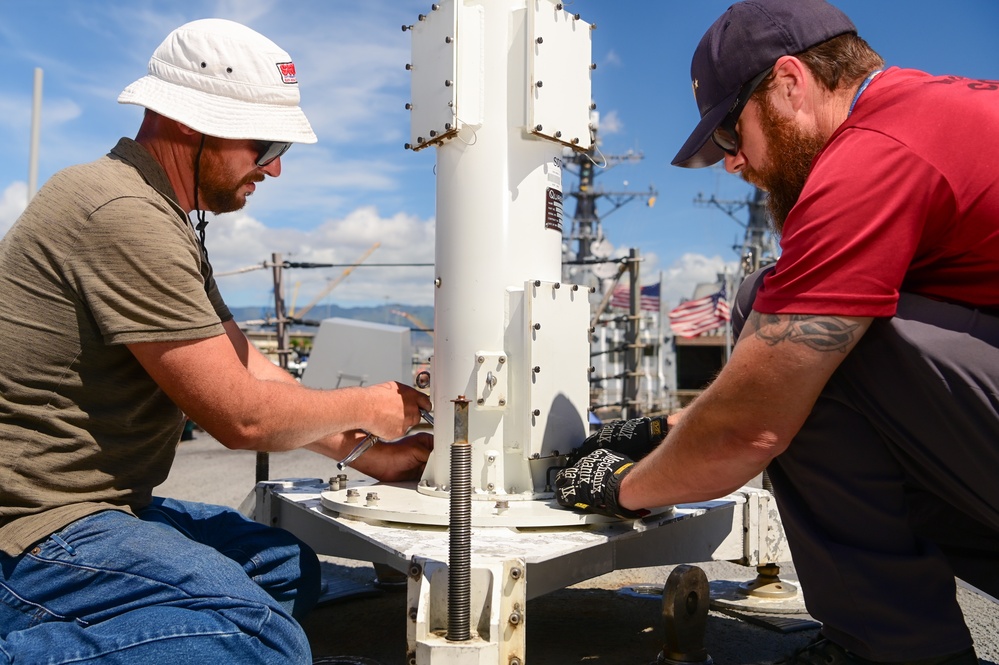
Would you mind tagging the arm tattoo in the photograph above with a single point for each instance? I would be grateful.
(819, 332)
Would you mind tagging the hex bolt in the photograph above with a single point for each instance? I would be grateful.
(447, 40)
(491, 486)
(515, 661)
(593, 65)
(576, 16)
(405, 27)
(540, 40)
(575, 287)
(593, 106)
(537, 369)
(419, 139)
(591, 369)
(515, 618)
(540, 84)
(537, 326)
(372, 498)
(413, 614)
(502, 359)
(407, 146)
(558, 134)
(516, 573)
(422, 17)
(502, 402)
(437, 282)
(537, 282)
(409, 107)
(447, 126)
(481, 359)
(435, 6)
(433, 133)
(415, 571)
(447, 83)
(502, 505)
(353, 495)
(575, 141)
(556, 285)
(480, 401)
(537, 412)
(409, 67)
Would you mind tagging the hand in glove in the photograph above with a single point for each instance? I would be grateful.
(593, 483)
(634, 438)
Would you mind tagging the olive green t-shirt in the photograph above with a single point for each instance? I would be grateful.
(103, 256)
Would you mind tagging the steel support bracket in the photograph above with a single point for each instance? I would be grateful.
(498, 606)
(764, 538)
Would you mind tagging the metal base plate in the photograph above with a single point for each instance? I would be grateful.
(728, 594)
(398, 503)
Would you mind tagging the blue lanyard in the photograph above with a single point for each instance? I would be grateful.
(863, 86)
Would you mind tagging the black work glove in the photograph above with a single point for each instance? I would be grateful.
(634, 438)
(593, 483)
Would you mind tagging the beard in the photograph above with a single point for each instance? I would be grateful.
(790, 151)
(219, 186)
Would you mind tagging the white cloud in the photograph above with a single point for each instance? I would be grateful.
(238, 241)
(610, 123)
(613, 59)
(12, 204)
(682, 278)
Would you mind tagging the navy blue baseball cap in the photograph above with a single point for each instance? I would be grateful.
(744, 42)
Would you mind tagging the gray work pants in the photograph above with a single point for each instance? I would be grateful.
(891, 488)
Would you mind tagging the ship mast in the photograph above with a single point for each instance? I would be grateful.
(587, 255)
(587, 260)
(759, 246)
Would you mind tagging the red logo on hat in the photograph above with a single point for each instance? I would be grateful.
(287, 70)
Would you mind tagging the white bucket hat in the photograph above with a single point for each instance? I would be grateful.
(223, 79)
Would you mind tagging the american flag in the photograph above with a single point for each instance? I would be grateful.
(695, 317)
(649, 300)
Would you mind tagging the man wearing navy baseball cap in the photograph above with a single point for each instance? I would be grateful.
(866, 373)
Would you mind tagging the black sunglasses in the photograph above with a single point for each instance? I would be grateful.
(725, 136)
(268, 151)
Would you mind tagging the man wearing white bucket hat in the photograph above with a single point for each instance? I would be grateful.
(108, 290)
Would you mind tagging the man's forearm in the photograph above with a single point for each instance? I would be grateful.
(692, 465)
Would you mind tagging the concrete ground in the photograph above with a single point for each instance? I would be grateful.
(611, 619)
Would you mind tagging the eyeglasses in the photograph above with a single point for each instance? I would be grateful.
(268, 151)
(725, 136)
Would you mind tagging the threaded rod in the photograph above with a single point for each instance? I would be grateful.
(460, 529)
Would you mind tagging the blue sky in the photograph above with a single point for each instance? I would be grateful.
(358, 185)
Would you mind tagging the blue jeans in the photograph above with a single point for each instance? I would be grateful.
(185, 583)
